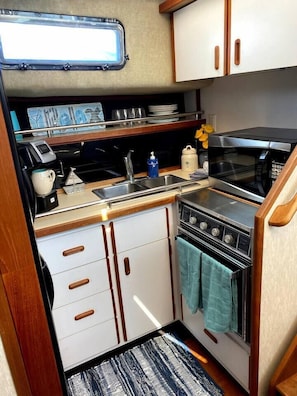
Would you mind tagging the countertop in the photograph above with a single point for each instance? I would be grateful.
(85, 208)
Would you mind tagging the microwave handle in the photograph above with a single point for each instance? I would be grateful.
(262, 168)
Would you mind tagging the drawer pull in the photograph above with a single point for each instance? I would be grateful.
(127, 266)
(217, 57)
(84, 314)
(211, 336)
(79, 283)
(74, 250)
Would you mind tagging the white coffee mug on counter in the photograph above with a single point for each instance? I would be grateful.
(43, 181)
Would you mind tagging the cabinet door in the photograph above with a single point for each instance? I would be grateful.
(140, 229)
(267, 34)
(199, 40)
(146, 288)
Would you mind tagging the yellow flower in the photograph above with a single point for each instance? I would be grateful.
(202, 134)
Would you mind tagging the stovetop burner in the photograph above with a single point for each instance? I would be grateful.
(224, 207)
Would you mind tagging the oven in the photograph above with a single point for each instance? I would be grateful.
(221, 228)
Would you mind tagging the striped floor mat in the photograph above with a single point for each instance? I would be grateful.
(160, 366)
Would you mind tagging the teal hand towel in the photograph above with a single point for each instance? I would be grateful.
(189, 259)
(219, 296)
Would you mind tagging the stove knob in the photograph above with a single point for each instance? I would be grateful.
(215, 232)
(228, 238)
(203, 225)
(192, 220)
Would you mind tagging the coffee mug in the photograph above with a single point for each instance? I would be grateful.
(43, 181)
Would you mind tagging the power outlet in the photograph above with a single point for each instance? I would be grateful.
(212, 119)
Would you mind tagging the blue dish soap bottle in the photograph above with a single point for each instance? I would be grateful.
(153, 166)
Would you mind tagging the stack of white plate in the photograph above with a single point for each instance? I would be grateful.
(162, 110)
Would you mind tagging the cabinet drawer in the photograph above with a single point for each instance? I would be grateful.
(88, 344)
(140, 230)
(232, 356)
(72, 318)
(80, 283)
(67, 250)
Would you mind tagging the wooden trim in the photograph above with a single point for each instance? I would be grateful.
(227, 38)
(110, 282)
(170, 263)
(132, 207)
(283, 214)
(173, 47)
(260, 217)
(173, 5)
(117, 273)
(111, 133)
(21, 284)
(11, 346)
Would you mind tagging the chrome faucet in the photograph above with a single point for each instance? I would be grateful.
(129, 166)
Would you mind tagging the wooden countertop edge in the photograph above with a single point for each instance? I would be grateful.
(98, 218)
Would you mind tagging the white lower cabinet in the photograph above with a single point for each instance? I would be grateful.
(87, 344)
(83, 309)
(227, 349)
(112, 283)
(144, 271)
(146, 289)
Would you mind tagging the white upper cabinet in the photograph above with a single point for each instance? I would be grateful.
(264, 34)
(213, 38)
(199, 40)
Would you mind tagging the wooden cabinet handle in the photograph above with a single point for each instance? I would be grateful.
(84, 314)
(217, 57)
(237, 52)
(283, 214)
(211, 336)
(76, 249)
(79, 283)
(127, 266)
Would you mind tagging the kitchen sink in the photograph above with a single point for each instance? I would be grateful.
(118, 190)
(140, 187)
(161, 181)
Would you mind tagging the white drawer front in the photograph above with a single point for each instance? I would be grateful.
(140, 230)
(229, 353)
(80, 282)
(95, 309)
(67, 250)
(88, 344)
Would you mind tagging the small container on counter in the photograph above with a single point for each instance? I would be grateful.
(153, 166)
(189, 159)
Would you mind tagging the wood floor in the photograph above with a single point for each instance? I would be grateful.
(223, 379)
(215, 370)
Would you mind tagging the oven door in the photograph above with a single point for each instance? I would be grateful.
(241, 279)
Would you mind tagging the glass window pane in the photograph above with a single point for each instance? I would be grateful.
(31, 40)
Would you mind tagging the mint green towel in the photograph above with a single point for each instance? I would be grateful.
(219, 296)
(189, 259)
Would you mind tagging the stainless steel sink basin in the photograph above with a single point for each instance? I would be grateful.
(161, 181)
(140, 187)
(118, 190)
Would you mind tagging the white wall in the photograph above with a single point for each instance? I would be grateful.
(254, 99)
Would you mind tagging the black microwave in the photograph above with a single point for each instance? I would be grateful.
(246, 162)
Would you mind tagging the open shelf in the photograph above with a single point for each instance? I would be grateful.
(187, 120)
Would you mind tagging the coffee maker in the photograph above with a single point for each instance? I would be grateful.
(36, 159)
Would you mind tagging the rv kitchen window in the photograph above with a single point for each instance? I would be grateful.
(31, 40)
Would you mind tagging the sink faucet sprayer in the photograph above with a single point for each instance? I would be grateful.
(129, 166)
